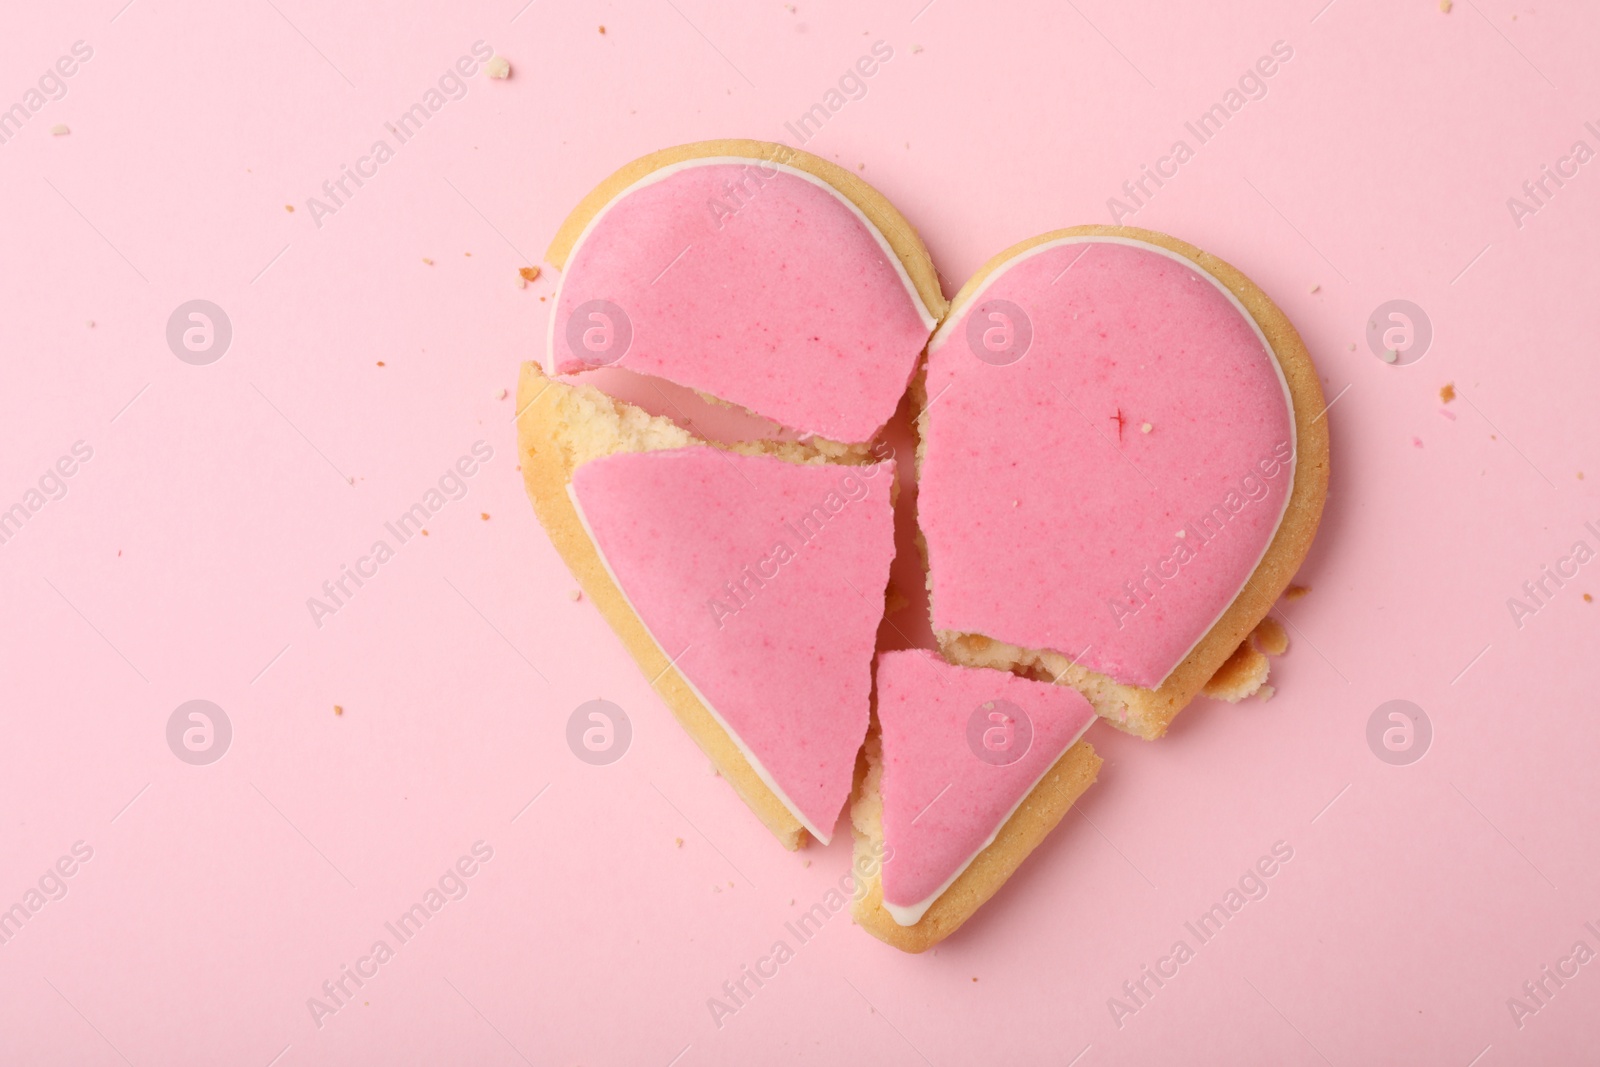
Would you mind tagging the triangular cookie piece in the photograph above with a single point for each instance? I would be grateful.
(763, 583)
(970, 770)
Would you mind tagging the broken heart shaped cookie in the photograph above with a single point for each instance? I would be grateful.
(1120, 459)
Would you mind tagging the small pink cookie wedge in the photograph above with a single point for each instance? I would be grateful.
(757, 274)
(762, 582)
(970, 769)
(1124, 467)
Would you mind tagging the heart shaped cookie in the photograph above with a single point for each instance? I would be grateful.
(1121, 463)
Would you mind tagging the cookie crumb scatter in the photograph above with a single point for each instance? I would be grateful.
(59, 130)
(1448, 392)
(1295, 592)
(498, 68)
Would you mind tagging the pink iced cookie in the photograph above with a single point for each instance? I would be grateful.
(751, 281)
(1109, 452)
(764, 581)
(962, 747)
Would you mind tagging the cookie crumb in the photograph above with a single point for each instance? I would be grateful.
(1265, 693)
(59, 130)
(1587, 599)
(484, 515)
(1295, 592)
(602, 31)
(381, 363)
(338, 709)
(90, 323)
(503, 395)
(528, 274)
(1390, 355)
(1445, 6)
(1181, 534)
(424, 533)
(1146, 428)
(1270, 637)
(428, 261)
(574, 595)
(289, 208)
(498, 68)
(1448, 392)
(1352, 348)
(1315, 289)
(678, 841)
(915, 49)
(1580, 473)
(808, 863)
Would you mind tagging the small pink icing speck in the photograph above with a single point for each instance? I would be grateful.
(961, 747)
(764, 581)
(750, 283)
(1109, 457)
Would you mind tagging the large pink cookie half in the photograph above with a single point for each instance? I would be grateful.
(752, 282)
(1109, 452)
(962, 747)
(764, 582)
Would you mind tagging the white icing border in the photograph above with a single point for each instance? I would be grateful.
(755, 764)
(662, 173)
(956, 313)
(911, 914)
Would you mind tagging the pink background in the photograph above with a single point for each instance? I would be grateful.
(219, 898)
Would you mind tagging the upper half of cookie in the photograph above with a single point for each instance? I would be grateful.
(757, 274)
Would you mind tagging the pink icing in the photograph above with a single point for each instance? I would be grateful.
(941, 801)
(1050, 524)
(764, 580)
(758, 286)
